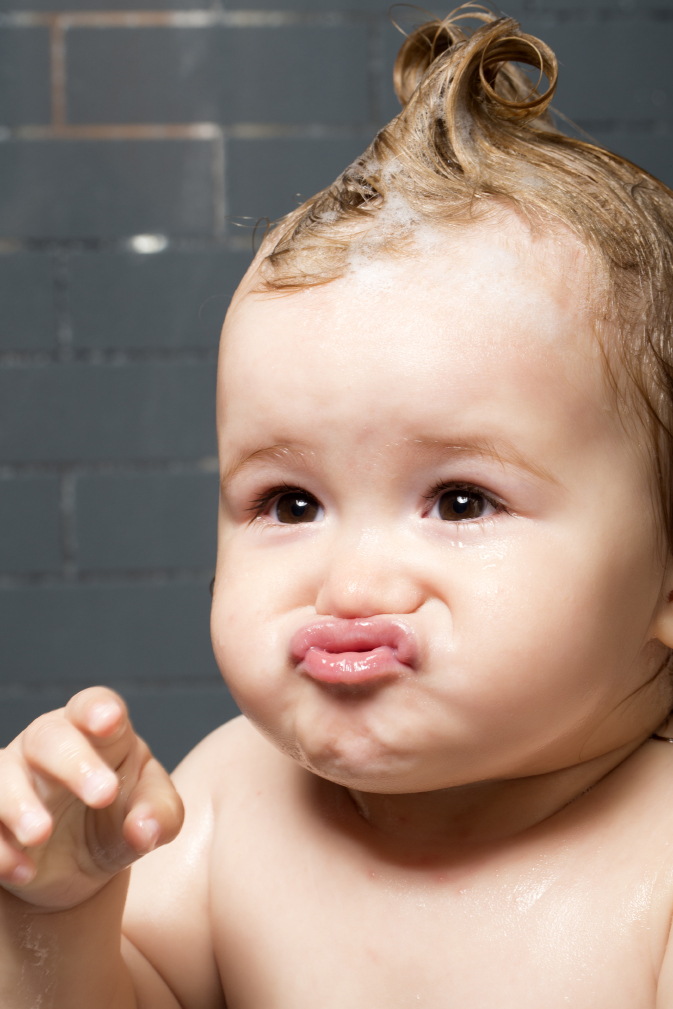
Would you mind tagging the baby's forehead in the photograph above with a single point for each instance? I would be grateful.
(482, 330)
(475, 286)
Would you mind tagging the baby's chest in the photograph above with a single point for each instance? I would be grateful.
(317, 933)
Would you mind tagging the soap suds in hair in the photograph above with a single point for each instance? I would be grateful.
(377, 260)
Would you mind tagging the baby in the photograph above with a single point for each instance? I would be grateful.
(443, 601)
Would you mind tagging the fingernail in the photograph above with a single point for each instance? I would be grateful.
(97, 786)
(102, 715)
(30, 824)
(22, 874)
(149, 831)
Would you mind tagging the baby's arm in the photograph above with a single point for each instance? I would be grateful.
(171, 902)
(81, 798)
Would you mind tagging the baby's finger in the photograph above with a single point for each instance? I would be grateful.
(52, 746)
(98, 711)
(102, 716)
(20, 808)
(16, 868)
(155, 809)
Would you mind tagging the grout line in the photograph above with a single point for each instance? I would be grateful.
(190, 19)
(114, 356)
(218, 168)
(375, 70)
(31, 688)
(108, 578)
(117, 131)
(79, 246)
(68, 533)
(205, 466)
(61, 310)
(188, 131)
(57, 71)
(185, 19)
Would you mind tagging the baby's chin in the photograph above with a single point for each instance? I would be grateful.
(355, 769)
(363, 761)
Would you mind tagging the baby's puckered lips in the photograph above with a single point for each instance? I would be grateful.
(356, 651)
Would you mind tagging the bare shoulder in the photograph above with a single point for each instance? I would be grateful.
(223, 758)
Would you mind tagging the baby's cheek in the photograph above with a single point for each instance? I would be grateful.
(249, 650)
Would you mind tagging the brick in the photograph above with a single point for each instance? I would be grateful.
(27, 321)
(24, 76)
(29, 519)
(71, 189)
(83, 412)
(171, 721)
(392, 41)
(311, 75)
(610, 70)
(171, 299)
(80, 635)
(147, 521)
(271, 177)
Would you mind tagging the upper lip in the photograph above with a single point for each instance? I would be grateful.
(362, 634)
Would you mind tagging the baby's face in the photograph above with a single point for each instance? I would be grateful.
(422, 462)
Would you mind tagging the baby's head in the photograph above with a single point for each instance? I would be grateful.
(444, 415)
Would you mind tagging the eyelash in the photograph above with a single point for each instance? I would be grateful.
(260, 503)
(443, 486)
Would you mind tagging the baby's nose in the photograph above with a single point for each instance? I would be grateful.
(368, 575)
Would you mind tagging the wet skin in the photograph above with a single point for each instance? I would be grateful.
(489, 827)
(427, 451)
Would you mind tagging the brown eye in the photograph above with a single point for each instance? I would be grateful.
(295, 507)
(459, 505)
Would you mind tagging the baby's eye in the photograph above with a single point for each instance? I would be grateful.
(296, 506)
(460, 504)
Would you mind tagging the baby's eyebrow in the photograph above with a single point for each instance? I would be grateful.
(280, 452)
(504, 453)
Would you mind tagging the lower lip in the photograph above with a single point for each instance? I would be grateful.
(352, 667)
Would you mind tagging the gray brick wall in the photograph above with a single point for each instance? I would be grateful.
(164, 118)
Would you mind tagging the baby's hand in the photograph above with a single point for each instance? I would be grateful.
(81, 797)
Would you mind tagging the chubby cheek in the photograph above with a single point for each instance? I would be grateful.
(249, 633)
(547, 643)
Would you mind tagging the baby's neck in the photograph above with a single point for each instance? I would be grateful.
(487, 811)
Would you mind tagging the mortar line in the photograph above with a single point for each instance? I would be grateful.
(57, 71)
(64, 351)
(218, 169)
(67, 493)
(203, 466)
(108, 578)
(30, 688)
(375, 63)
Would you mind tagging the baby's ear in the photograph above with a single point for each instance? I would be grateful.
(663, 619)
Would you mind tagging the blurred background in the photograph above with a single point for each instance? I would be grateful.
(139, 142)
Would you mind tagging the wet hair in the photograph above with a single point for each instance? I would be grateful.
(476, 134)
